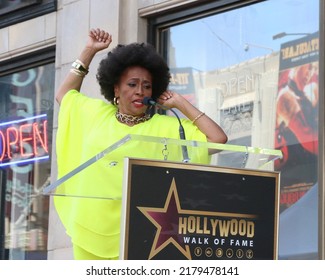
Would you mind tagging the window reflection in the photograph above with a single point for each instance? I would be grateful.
(25, 147)
(235, 66)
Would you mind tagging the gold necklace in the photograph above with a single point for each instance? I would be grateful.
(131, 120)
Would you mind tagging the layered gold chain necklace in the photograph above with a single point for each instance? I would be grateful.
(131, 120)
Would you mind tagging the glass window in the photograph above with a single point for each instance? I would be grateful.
(26, 120)
(254, 69)
(11, 5)
(15, 11)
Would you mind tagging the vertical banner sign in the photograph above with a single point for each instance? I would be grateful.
(194, 212)
(296, 131)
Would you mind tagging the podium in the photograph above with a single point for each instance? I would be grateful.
(180, 203)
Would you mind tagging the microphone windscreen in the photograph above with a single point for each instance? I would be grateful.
(147, 101)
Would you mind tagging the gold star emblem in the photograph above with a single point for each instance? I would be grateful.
(166, 221)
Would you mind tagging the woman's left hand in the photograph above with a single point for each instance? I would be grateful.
(206, 125)
(170, 99)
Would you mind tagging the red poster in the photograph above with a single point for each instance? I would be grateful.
(296, 131)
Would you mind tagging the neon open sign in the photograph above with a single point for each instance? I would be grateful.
(23, 141)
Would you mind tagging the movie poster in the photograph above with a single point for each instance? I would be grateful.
(296, 133)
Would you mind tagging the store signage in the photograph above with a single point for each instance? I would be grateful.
(182, 80)
(242, 83)
(23, 140)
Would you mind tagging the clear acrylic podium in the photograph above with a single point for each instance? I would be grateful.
(223, 206)
(224, 155)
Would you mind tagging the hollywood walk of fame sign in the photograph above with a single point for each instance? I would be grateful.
(186, 211)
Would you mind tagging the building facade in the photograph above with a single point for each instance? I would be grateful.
(232, 59)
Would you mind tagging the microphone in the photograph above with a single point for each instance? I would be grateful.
(149, 101)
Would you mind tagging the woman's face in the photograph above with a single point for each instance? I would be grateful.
(135, 84)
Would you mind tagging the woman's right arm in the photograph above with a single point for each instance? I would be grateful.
(98, 40)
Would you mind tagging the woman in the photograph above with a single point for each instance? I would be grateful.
(87, 126)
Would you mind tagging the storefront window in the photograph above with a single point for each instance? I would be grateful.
(254, 70)
(26, 120)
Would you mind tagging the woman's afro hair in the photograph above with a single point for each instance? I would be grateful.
(136, 54)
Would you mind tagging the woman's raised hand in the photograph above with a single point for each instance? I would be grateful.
(99, 39)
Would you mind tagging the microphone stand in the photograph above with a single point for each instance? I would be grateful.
(150, 101)
(186, 159)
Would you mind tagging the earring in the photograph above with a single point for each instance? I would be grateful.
(115, 100)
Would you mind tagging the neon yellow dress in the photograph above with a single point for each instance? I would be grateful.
(87, 126)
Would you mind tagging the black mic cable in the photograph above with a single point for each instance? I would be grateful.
(149, 101)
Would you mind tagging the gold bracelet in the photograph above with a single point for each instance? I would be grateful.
(80, 66)
(77, 72)
(198, 116)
